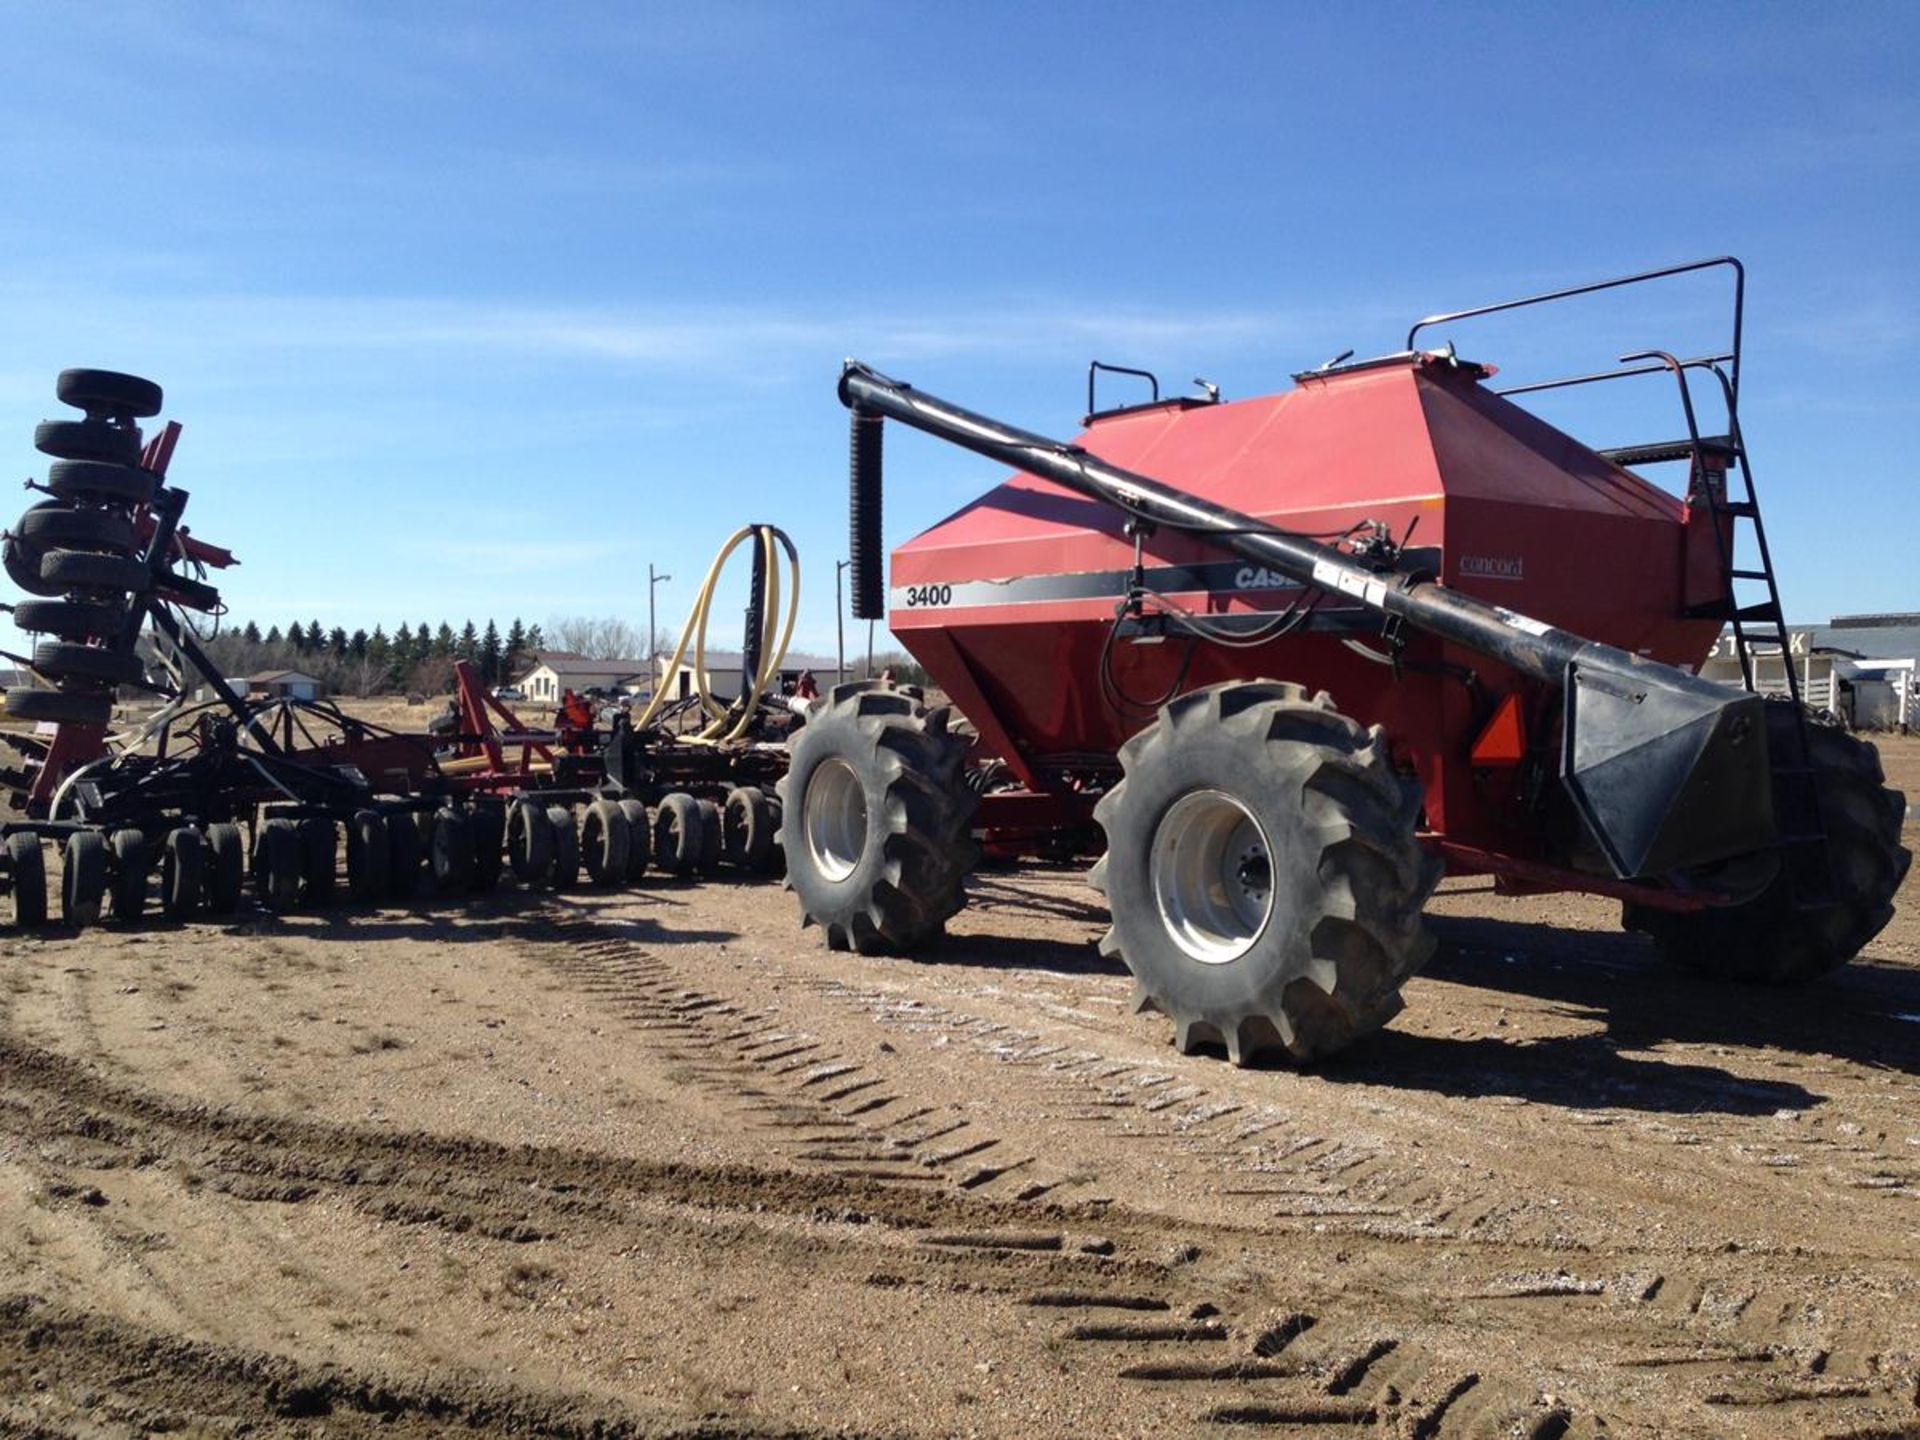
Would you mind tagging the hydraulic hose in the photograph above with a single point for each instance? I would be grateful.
(730, 723)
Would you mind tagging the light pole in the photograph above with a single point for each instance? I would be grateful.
(653, 668)
(840, 622)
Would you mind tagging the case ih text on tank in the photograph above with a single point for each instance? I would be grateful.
(1299, 655)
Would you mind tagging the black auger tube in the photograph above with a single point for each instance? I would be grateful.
(867, 562)
(1704, 796)
(1534, 649)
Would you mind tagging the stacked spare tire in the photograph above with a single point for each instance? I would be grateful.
(79, 552)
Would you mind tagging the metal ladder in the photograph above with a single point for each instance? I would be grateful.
(1713, 461)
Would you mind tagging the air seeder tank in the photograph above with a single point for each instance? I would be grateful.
(1010, 602)
(1289, 658)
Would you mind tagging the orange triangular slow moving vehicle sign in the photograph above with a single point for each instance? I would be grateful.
(1504, 740)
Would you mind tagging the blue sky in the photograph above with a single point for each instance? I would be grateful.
(477, 309)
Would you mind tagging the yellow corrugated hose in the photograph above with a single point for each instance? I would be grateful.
(694, 632)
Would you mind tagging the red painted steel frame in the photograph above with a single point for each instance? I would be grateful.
(1516, 876)
(72, 747)
(479, 735)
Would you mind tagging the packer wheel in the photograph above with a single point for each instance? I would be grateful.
(712, 841)
(564, 873)
(64, 660)
(639, 838)
(183, 873)
(59, 707)
(84, 570)
(69, 619)
(529, 840)
(277, 867)
(83, 878)
(52, 526)
(678, 841)
(404, 854)
(489, 839)
(747, 827)
(226, 867)
(27, 875)
(131, 870)
(319, 862)
(368, 866)
(452, 851)
(92, 480)
(605, 841)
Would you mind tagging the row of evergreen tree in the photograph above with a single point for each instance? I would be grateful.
(370, 663)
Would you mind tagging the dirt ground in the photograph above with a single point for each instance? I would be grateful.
(659, 1163)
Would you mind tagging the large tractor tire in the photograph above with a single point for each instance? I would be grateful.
(368, 862)
(450, 851)
(1767, 938)
(1262, 873)
(876, 817)
(319, 862)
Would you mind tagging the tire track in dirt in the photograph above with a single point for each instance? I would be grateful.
(1131, 1299)
(838, 1111)
(63, 1372)
(1321, 1186)
(796, 1076)
(1364, 1182)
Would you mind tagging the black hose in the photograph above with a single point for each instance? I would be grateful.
(866, 568)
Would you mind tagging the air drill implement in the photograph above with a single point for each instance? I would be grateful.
(1285, 659)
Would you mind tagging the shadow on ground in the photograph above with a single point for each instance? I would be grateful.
(1619, 982)
(1580, 1072)
(534, 917)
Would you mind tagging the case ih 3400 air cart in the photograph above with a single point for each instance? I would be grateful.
(1299, 655)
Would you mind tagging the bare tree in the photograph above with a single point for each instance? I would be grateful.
(598, 638)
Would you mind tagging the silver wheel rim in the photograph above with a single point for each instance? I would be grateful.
(1212, 876)
(836, 806)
